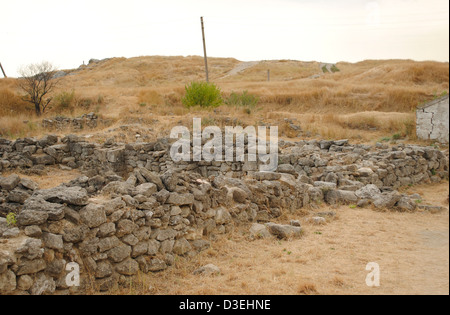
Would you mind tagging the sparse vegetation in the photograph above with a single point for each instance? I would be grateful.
(203, 94)
(11, 219)
(38, 83)
(243, 99)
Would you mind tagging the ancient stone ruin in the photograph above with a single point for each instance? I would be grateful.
(134, 209)
(433, 120)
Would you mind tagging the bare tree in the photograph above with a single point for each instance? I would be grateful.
(38, 82)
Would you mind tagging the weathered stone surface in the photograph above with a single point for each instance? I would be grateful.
(28, 267)
(259, 231)
(284, 231)
(152, 178)
(180, 199)
(340, 196)
(406, 204)
(208, 270)
(8, 282)
(54, 211)
(104, 270)
(108, 243)
(125, 227)
(24, 283)
(163, 235)
(387, 200)
(128, 267)
(119, 253)
(10, 182)
(156, 265)
(239, 195)
(31, 217)
(30, 248)
(93, 215)
(53, 241)
(368, 192)
(147, 189)
(43, 285)
(33, 231)
(18, 196)
(182, 247)
(65, 195)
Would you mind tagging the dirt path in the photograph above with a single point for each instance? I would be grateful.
(240, 67)
(412, 250)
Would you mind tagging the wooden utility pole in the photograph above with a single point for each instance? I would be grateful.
(1, 67)
(204, 50)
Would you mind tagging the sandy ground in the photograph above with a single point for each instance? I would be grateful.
(412, 250)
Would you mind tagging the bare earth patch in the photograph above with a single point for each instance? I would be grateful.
(412, 250)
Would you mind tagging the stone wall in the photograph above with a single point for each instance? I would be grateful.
(136, 210)
(433, 120)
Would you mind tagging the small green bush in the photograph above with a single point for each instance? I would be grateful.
(65, 100)
(334, 69)
(202, 94)
(11, 219)
(242, 99)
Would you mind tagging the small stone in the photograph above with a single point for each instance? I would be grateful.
(7, 282)
(259, 231)
(93, 215)
(318, 220)
(32, 217)
(33, 231)
(24, 283)
(208, 270)
(10, 182)
(128, 267)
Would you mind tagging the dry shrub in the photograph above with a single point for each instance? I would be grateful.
(18, 126)
(150, 97)
(307, 288)
(11, 104)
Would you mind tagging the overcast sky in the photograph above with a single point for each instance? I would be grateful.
(68, 32)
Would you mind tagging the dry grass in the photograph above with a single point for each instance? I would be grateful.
(375, 98)
(412, 250)
(53, 177)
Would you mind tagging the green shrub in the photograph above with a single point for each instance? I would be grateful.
(65, 100)
(202, 94)
(334, 69)
(11, 219)
(242, 99)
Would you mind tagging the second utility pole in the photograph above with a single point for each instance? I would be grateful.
(204, 50)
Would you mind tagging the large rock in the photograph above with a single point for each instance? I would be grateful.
(128, 267)
(284, 231)
(119, 253)
(180, 199)
(28, 267)
(10, 182)
(259, 231)
(368, 192)
(340, 196)
(406, 204)
(147, 189)
(8, 282)
(152, 178)
(208, 270)
(53, 241)
(43, 285)
(76, 196)
(31, 217)
(387, 200)
(93, 215)
(55, 211)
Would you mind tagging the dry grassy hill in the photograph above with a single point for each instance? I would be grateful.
(374, 98)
